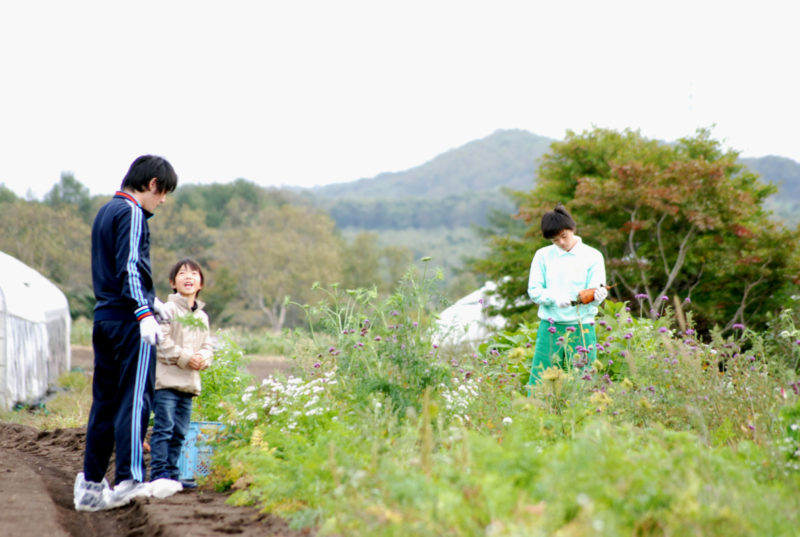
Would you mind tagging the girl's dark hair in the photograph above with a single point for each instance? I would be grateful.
(192, 264)
(556, 221)
(144, 168)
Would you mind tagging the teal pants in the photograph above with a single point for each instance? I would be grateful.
(562, 344)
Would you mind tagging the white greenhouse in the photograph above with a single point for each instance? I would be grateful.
(34, 333)
(467, 321)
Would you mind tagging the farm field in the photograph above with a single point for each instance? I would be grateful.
(37, 470)
(371, 429)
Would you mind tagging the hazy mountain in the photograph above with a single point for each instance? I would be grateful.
(506, 158)
(461, 186)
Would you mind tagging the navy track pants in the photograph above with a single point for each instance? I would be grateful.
(122, 396)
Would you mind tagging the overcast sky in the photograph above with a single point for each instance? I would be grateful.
(313, 92)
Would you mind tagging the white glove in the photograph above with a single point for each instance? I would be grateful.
(149, 330)
(600, 294)
(163, 313)
(563, 301)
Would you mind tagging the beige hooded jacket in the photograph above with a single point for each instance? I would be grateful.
(178, 343)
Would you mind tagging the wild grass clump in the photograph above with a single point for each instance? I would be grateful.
(81, 332)
(385, 433)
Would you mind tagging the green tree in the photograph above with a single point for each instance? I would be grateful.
(56, 243)
(69, 192)
(279, 256)
(7, 195)
(361, 262)
(680, 219)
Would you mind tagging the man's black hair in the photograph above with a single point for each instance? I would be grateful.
(147, 167)
(556, 221)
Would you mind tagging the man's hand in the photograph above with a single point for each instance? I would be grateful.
(149, 330)
(600, 294)
(163, 313)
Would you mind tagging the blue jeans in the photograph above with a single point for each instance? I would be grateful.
(173, 411)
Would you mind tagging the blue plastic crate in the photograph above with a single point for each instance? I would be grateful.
(196, 451)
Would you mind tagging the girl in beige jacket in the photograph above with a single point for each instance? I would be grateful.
(184, 349)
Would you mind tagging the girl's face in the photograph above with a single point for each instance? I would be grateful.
(188, 282)
(565, 240)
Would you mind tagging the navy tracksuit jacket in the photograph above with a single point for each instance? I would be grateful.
(124, 365)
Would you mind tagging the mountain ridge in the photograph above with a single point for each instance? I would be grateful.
(462, 185)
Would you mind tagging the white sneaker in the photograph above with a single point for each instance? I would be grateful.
(127, 490)
(90, 495)
(164, 487)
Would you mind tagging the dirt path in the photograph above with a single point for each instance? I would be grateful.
(37, 472)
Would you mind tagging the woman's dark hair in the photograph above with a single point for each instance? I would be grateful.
(192, 264)
(556, 221)
(144, 168)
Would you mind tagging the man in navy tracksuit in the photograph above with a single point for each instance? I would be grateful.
(124, 337)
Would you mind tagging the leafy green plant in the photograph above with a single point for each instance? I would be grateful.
(223, 382)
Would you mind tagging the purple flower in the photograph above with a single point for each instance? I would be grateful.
(687, 300)
(552, 329)
(377, 338)
(332, 350)
(611, 362)
(640, 296)
(551, 320)
(600, 347)
(628, 335)
(665, 297)
(663, 329)
(395, 313)
(627, 308)
(797, 342)
(560, 339)
(651, 389)
(317, 365)
(738, 326)
(587, 376)
(689, 331)
(570, 329)
(415, 324)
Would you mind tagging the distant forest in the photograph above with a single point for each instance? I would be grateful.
(262, 245)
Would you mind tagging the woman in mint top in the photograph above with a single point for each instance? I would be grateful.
(558, 273)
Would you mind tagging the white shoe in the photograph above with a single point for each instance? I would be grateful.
(164, 487)
(127, 490)
(90, 495)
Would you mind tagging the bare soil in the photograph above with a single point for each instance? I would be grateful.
(37, 472)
